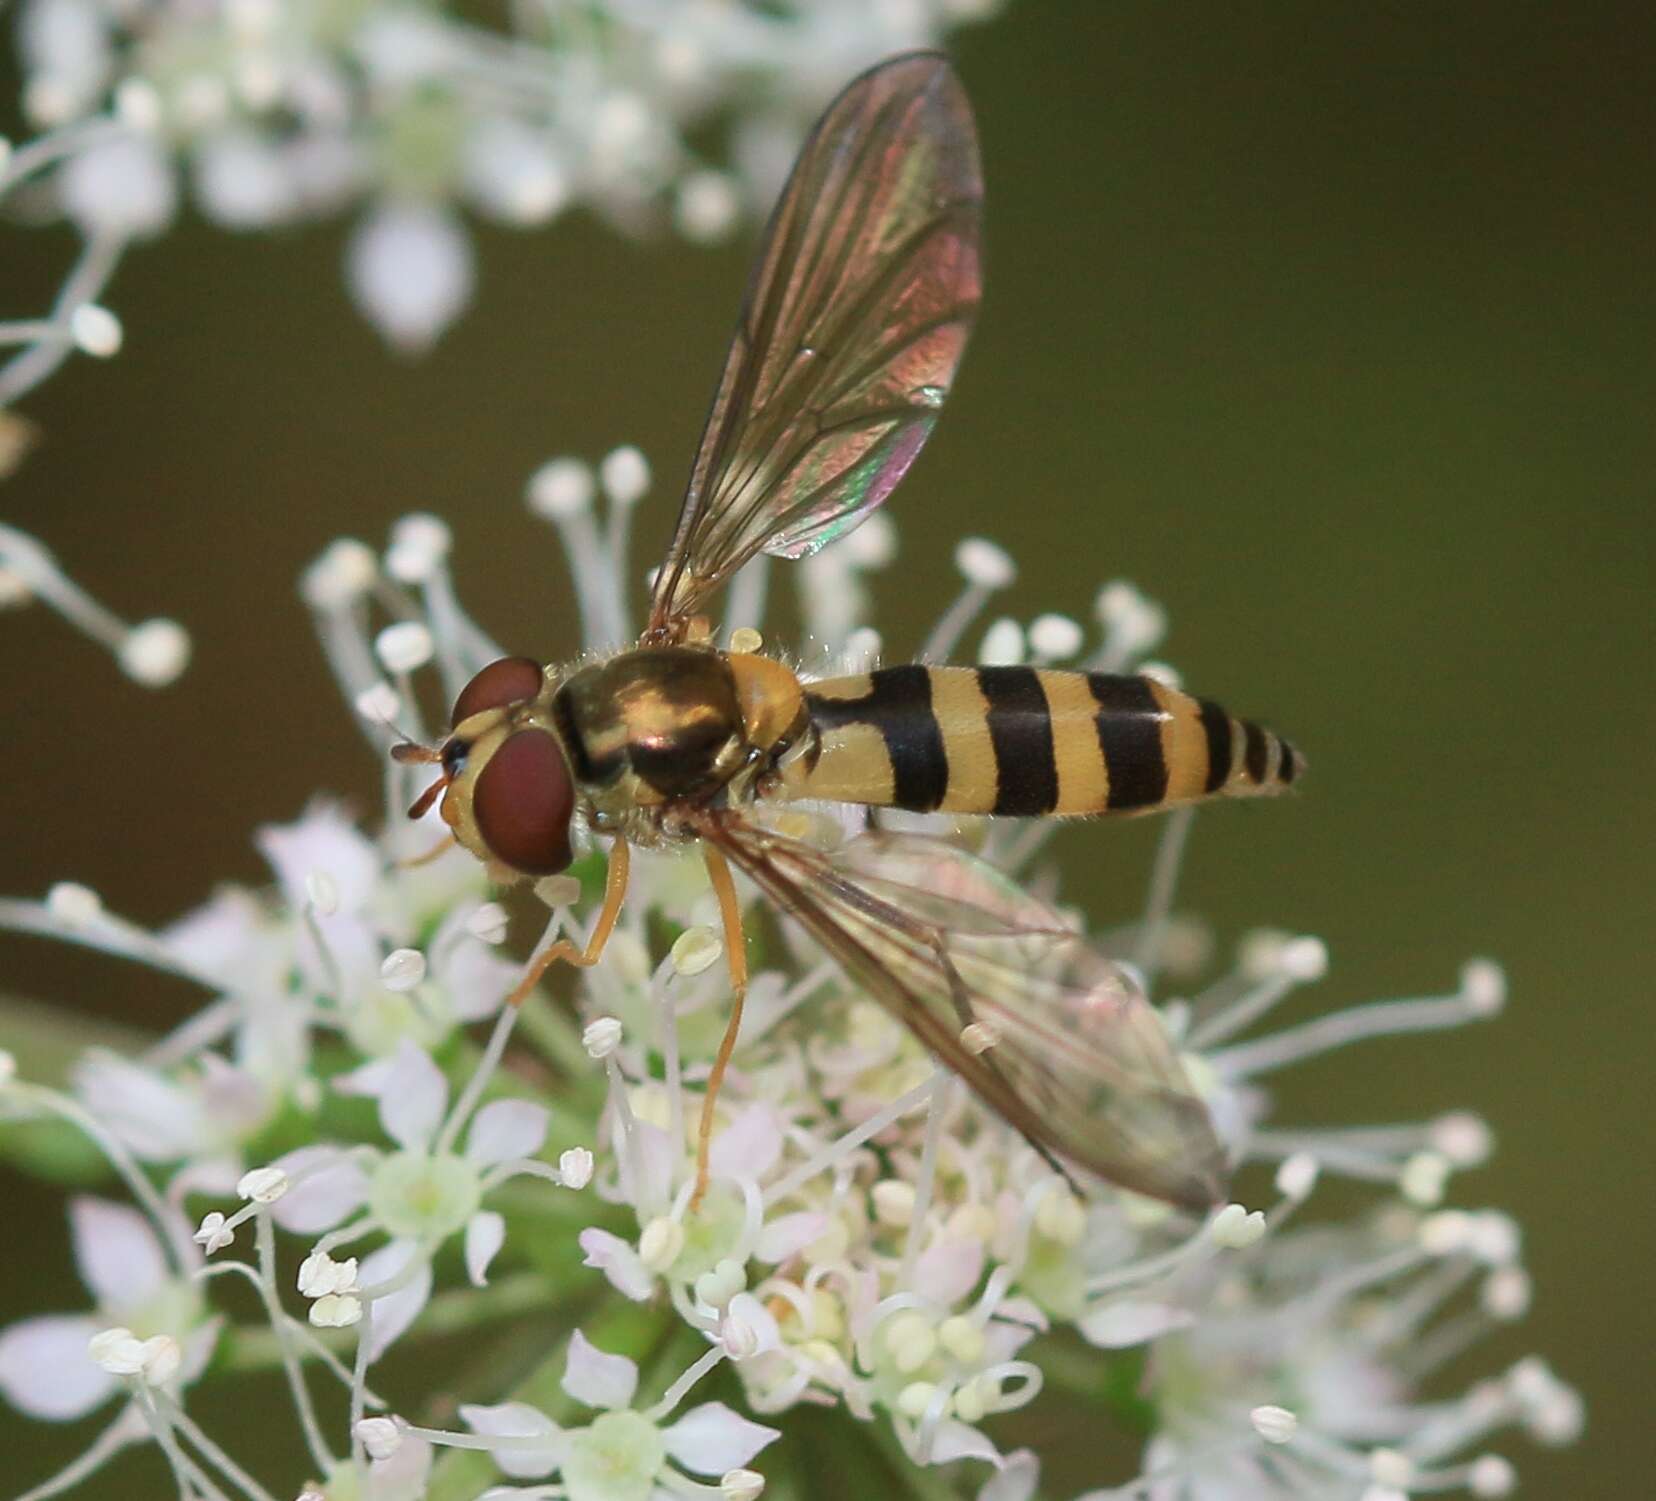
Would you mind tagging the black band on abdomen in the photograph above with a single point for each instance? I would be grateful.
(1129, 735)
(898, 706)
(1020, 729)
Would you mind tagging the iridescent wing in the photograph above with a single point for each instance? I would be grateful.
(1076, 1058)
(850, 332)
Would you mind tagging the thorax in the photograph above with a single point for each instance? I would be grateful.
(664, 728)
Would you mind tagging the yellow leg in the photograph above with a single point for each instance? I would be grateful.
(730, 915)
(615, 891)
(442, 847)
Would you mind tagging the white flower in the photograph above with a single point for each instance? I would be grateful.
(47, 1366)
(622, 1453)
(410, 271)
(242, 180)
(873, 1238)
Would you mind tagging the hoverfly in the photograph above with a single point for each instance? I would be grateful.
(852, 328)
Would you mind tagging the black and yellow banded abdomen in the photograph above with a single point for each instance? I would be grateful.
(1030, 741)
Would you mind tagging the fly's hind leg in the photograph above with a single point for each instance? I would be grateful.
(568, 952)
(735, 942)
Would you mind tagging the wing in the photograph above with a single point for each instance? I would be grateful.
(1077, 1060)
(849, 335)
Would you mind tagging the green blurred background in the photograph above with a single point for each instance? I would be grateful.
(1330, 326)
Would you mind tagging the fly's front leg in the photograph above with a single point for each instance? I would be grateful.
(436, 852)
(735, 942)
(565, 950)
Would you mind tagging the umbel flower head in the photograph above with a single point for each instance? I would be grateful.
(355, 1125)
(417, 120)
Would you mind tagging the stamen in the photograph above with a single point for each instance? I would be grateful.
(1002, 644)
(493, 1051)
(1053, 638)
(562, 492)
(1295, 961)
(1133, 625)
(662, 991)
(677, 1392)
(153, 652)
(936, 1108)
(98, 258)
(1164, 879)
(1377, 1019)
(112, 1440)
(987, 569)
(842, 1146)
(93, 926)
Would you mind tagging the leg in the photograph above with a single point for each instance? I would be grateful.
(442, 847)
(615, 891)
(730, 916)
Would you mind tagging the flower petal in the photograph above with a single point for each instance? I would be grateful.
(597, 1379)
(393, 1313)
(219, 936)
(518, 1420)
(475, 978)
(411, 1091)
(119, 1258)
(1124, 1322)
(323, 841)
(949, 1270)
(789, 1234)
(45, 1371)
(410, 272)
(505, 1129)
(485, 1234)
(157, 1119)
(748, 1320)
(401, 1476)
(956, 1440)
(654, 1155)
(1016, 1482)
(618, 1262)
(711, 1439)
(749, 1146)
(328, 1185)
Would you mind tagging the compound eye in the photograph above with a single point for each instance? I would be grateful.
(510, 680)
(523, 802)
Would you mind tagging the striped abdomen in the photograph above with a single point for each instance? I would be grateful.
(1030, 741)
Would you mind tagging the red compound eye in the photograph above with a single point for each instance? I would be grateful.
(511, 680)
(523, 802)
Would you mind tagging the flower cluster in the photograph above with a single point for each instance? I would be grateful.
(358, 1126)
(275, 113)
(657, 115)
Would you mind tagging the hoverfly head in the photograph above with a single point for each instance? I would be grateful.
(505, 781)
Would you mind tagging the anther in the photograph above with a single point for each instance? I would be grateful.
(625, 475)
(560, 488)
(984, 563)
(155, 652)
(695, 950)
(263, 1185)
(1002, 644)
(1276, 1425)
(1235, 1228)
(404, 647)
(402, 969)
(95, 330)
(1054, 637)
